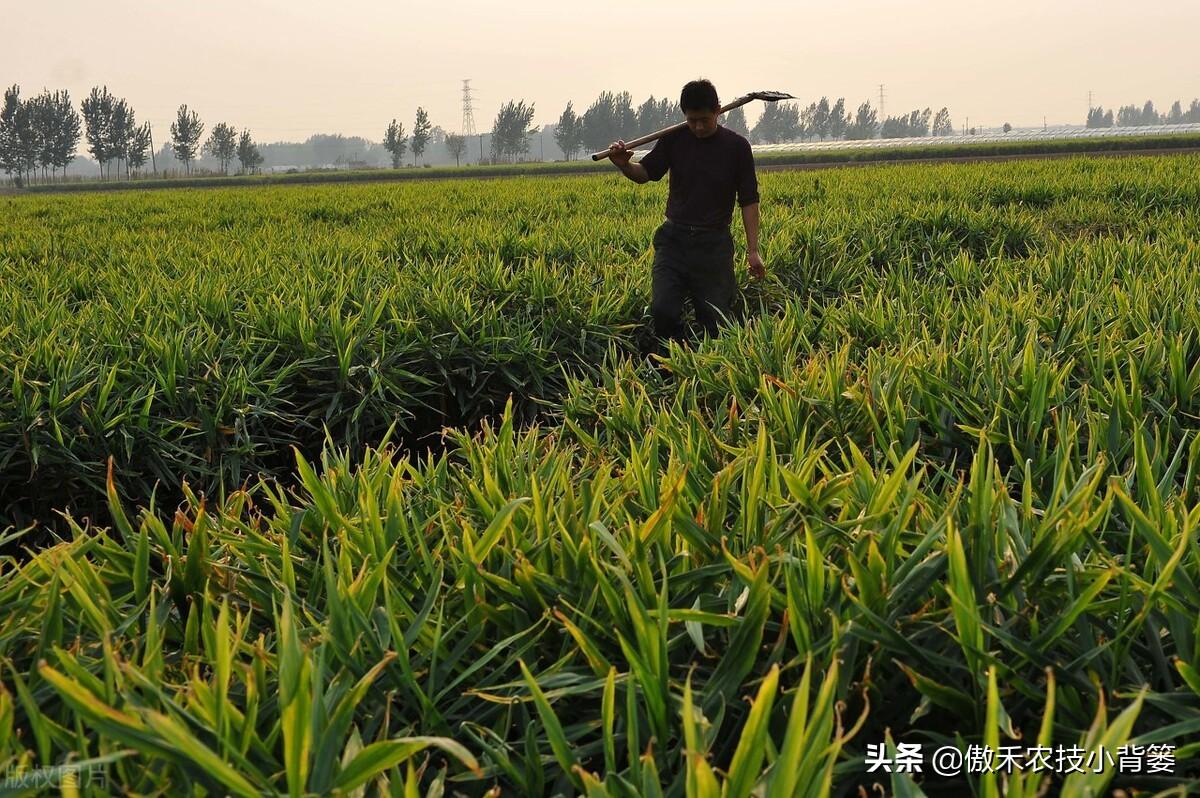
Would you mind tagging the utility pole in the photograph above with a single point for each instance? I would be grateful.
(882, 115)
(153, 165)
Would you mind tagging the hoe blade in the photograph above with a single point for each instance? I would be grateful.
(771, 96)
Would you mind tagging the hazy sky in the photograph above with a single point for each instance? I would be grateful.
(287, 69)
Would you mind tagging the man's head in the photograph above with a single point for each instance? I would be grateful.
(700, 106)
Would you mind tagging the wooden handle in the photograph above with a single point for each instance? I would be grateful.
(655, 136)
(658, 134)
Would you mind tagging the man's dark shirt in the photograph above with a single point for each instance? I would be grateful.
(705, 175)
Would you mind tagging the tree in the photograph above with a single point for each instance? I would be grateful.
(865, 124)
(139, 148)
(838, 121)
(919, 122)
(510, 131)
(568, 133)
(1132, 116)
(42, 131)
(111, 127)
(8, 113)
(97, 116)
(735, 120)
(15, 133)
(805, 122)
(247, 153)
(395, 142)
(1098, 118)
(609, 118)
(1193, 114)
(456, 145)
(29, 144)
(222, 144)
(654, 115)
(41, 118)
(64, 136)
(942, 126)
(915, 123)
(420, 134)
(120, 130)
(778, 123)
(185, 135)
(1007, 127)
(1175, 115)
(821, 118)
(1149, 115)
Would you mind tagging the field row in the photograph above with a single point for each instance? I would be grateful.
(939, 487)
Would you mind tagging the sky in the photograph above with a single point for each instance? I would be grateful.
(286, 69)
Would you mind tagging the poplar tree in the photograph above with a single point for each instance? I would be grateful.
(735, 120)
(420, 134)
(247, 152)
(222, 144)
(568, 132)
(97, 110)
(510, 131)
(456, 145)
(395, 142)
(186, 131)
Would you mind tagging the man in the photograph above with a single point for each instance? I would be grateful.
(693, 248)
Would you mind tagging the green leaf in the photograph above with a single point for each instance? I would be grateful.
(554, 731)
(747, 759)
(378, 757)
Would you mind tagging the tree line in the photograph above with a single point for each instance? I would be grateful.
(37, 134)
(822, 120)
(612, 116)
(1135, 116)
(42, 134)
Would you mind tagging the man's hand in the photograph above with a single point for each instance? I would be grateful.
(753, 259)
(621, 154)
(755, 262)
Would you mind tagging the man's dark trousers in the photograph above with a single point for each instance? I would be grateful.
(695, 262)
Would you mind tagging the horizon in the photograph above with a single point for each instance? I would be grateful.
(1020, 63)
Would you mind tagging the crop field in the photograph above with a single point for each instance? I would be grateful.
(373, 490)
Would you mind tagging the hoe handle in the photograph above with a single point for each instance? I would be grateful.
(658, 134)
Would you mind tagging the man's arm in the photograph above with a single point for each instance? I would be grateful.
(621, 159)
(750, 222)
(747, 193)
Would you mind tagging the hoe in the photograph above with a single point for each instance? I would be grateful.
(768, 96)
